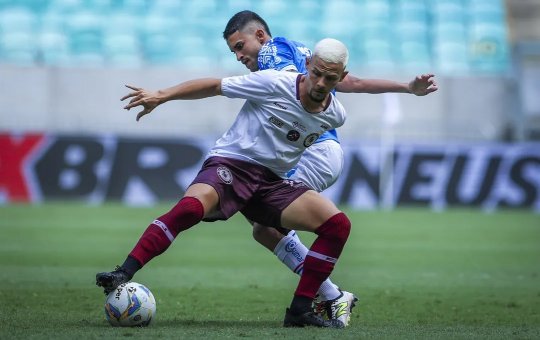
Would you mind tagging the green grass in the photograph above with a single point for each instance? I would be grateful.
(458, 274)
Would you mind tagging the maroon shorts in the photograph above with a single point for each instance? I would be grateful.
(254, 190)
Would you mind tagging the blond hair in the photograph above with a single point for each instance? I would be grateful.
(332, 51)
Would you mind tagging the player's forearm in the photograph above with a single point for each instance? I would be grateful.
(192, 89)
(352, 84)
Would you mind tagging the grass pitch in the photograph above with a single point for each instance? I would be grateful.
(419, 274)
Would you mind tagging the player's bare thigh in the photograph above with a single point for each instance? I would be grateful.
(206, 194)
(308, 212)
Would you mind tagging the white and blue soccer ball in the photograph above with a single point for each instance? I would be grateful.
(130, 304)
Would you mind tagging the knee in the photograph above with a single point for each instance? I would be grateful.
(266, 236)
(344, 229)
(337, 227)
(258, 232)
(185, 214)
(262, 233)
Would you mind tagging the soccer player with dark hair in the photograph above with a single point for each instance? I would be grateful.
(248, 37)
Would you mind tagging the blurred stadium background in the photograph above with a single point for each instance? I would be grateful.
(63, 64)
(479, 49)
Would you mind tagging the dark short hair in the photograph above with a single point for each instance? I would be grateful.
(240, 20)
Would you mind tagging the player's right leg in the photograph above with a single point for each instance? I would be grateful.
(213, 195)
(160, 234)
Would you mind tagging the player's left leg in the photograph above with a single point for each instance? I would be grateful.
(319, 168)
(312, 212)
(331, 301)
(290, 250)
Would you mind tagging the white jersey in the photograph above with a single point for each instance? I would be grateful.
(273, 129)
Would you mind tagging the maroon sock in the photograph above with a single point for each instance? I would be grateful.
(323, 254)
(160, 233)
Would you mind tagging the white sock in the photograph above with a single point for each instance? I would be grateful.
(292, 252)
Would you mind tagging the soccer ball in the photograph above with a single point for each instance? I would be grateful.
(130, 304)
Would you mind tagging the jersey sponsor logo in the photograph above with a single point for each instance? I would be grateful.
(325, 127)
(310, 139)
(281, 106)
(293, 135)
(291, 172)
(299, 126)
(276, 121)
(225, 174)
(288, 182)
(294, 184)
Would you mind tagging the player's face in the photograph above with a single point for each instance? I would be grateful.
(246, 47)
(323, 78)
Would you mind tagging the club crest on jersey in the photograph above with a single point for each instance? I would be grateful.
(293, 135)
(310, 139)
(225, 174)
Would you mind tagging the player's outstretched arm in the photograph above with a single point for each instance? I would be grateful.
(192, 89)
(421, 85)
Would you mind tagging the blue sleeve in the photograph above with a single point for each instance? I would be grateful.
(328, 135)
(278, 55)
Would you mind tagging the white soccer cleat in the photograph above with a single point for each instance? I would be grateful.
(338, 309)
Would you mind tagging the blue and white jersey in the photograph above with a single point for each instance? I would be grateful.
(286, 55)
(283, 55)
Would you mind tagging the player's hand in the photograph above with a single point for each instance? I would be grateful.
(141, 97)
(423, 85)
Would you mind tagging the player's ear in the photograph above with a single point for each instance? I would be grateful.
(343, 75)
(260, 35)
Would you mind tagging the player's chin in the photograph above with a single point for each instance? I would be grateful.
(317, 96)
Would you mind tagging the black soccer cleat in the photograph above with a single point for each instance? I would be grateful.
(309, 319)
(110, 280)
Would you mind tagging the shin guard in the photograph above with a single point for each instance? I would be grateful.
(323, 254)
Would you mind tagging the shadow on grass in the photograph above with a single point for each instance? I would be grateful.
(218, 323)
(190, 323)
